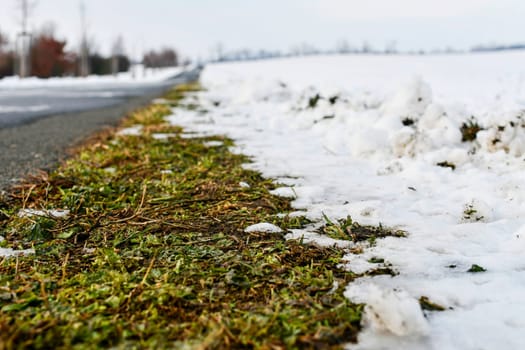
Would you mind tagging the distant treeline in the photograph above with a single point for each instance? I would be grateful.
(343, 48)
(49, 58)
(485, 48)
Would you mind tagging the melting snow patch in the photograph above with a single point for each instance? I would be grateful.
(244, 184)
(389, 311)
(88, 250)
(263, 227)
(54, 213)
(163, 136)
(131, 131)
(192, 135)
(213, 143)
(285, 192)
(7, 252)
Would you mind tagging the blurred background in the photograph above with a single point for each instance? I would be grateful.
(46, 38)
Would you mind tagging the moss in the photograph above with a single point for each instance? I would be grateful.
(476, 268)
(314, 100)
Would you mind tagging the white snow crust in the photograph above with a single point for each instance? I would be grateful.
(52, 213)
(263, 227)
(136, 130)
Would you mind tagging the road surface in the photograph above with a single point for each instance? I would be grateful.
(37, 138)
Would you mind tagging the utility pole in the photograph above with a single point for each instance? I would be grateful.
(84, 50)
(23, 41)
(117, 51)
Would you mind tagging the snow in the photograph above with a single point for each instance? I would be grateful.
(362, 136)
(263, 227)
(243, 184)
(390, 311)
(13, 90)
(285, 192)
(213, 143)
(8, 252)
(15, 109)
(53, 213)
(135, 130)
(161, 136)
(137, 75)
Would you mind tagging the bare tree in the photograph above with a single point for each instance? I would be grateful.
(218, 52)
(117, 51)
(6, 57)
(391, 47)
(366, 48)
(164, 58)
(343, 47)
(3, 41)
(47, 29)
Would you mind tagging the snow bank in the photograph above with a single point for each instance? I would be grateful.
(138, 75)
(433, 145)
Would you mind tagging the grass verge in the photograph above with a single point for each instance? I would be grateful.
(153, 253)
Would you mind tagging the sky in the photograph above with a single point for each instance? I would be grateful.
(196, 28)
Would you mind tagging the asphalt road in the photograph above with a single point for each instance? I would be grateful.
(38, 138)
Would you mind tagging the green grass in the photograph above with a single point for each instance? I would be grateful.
(154, 253)
(476, 268)
(347, 229)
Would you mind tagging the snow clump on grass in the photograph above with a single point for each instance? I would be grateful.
(263, 227)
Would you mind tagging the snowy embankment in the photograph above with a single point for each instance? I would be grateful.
(136, 75)
(89, 87)
(433, 145)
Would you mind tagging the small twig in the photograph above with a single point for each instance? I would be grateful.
(26, 198)
(144, 189)
(16, 267)
(138, 211)
(64, 265)
(148, 271)
(44, 293)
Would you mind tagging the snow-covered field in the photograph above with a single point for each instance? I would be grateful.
(362, 136)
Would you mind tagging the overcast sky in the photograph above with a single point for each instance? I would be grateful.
(194, 27)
